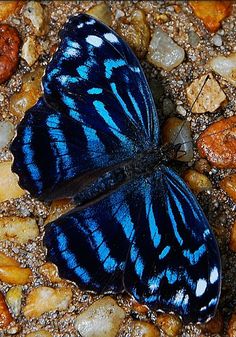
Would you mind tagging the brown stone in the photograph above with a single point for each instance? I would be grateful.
(211, 12)
(228, 184)
(218, 143)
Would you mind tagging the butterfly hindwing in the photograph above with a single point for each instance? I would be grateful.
(151, 235)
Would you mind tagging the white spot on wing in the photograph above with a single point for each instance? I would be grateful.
(201, 287)
(94, 40)
(179, 296)
(81, 25)
(111, 37)
(214, 275)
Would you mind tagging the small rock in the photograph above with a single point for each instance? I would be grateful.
(35, 13)
(135, 32)
(29, 94)
(7, 131)
(101, 12)
(13, 298)
(144, 329)
(218, 143)
(58, 208)
(6, 260)
(164, 52)
(225, 66)
(168, 107)
(181, 111)
(202, 166)
(177, 131)
(50, 271)
(39, 333)
(46, 299)
(9, 188)
(211, 12)
(30, 51)
(198, 182)
(214, 326)
(8, 8)
(15, 275)
(232, 326)
(193, 38)
(5, 316)
(217, 40)
(9, 51)
(102, 318)
(228, 184)
(205, 95)
(17, 229)
(170, 324)
(232, 243)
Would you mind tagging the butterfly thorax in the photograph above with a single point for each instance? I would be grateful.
(147, 162)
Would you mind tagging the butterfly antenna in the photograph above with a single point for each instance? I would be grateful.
(191, 108)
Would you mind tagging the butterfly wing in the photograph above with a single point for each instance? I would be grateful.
(150, 237)
(95, 70)
(97, 111)
(174, 262)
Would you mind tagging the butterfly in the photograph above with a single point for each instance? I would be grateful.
(94, 136)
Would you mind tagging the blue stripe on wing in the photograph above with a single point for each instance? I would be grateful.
(128, 240)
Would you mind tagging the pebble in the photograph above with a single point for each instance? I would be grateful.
(168, 107)
(37, 302)
(8, 8)
(205, 95)
(170, 324)
(232, 242)
(15, 275)
(35, 13)
(19, 230)
(14, 298)
(7, 132)
(101, 12)
(163, 52)
(29, 94)
(181, 111)
(144, 329)
(30, 51)
(9, 51)
(5, 315)
(9, 188)
(202, 166)
(50, 271)
(214, 326)
(135, 32)
(193, 38)
(102, 318)
(232, 326)
(218, 144)
(217, 40)
(211, 12)
(228, 184)
(39, 333)
(177, 131)
(225, 66)
(197, 182)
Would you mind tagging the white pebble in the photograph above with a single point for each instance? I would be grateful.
(180, 110)
(102, 318)
(6, 133)
(217, 40)
(225, 66)
(164, 52)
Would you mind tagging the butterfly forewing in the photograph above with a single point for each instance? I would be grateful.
(97, 111)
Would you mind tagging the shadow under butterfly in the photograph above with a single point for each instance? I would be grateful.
(94, 136)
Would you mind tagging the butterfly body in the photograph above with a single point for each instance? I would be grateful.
(94, 136)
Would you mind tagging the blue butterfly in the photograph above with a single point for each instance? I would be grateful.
(94, 136)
